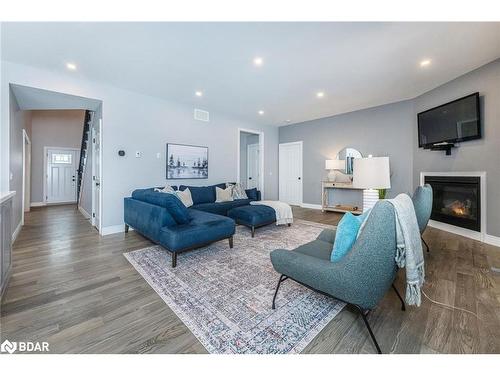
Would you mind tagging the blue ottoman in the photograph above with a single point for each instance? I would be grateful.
(253, 216)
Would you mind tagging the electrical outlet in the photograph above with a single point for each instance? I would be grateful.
(138, 154)
(158, 155)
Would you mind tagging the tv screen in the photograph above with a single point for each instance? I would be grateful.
(452, 122)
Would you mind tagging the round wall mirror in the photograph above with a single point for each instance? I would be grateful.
(349, 154)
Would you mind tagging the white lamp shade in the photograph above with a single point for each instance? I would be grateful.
(335, 164)
(371, 173)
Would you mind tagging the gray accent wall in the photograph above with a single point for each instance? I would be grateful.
(380, 131)
(471, 156)
(52, 128)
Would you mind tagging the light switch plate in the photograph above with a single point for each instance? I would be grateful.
(158, 155)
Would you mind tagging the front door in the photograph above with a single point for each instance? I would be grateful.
(61, 175)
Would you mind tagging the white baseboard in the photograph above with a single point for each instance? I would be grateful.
(112, 229)
(482, 237)
(492, 240)
(83, 212)
(37, 204)
(16, 232)
(310, 205)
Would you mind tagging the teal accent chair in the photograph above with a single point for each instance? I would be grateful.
(361, 278)
(422, 201)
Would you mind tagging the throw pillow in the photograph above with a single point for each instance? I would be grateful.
(176, 208)
(238, 191)
(185, 197)
(251, 193)
(167, 189)
(223, 195)
(347, 231)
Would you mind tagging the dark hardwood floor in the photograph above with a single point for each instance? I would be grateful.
(74, 289)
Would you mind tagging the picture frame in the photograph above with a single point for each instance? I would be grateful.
(186, 162)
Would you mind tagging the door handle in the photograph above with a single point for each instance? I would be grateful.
(249, 178)
(97, 184)
(299, 178)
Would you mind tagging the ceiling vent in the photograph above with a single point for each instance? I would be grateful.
(201, 115)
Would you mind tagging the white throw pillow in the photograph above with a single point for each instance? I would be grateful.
(238, 191)
(167, 189)
(223, 195)
(185, 197)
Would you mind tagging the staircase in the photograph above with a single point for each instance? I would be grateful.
(84, 149)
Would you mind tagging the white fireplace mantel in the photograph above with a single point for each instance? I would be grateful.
(480, 236)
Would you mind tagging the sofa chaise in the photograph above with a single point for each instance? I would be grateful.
(166, 221)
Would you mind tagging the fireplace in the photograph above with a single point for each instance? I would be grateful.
(456, 200)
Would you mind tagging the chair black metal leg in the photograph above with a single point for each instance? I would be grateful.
(253, 231)
(282, 278)
(174, 259)
(363, 315)
(403, 306)
(231, 242)
(425, 243)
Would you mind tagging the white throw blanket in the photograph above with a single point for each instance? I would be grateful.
(283, 211)
(409, 247)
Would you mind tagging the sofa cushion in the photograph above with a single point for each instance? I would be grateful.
(169, 201)
(253, 215)
(203, 228)
(221, 208)
(185, 197)
(202, 194)
(252, 194)
(223, 195)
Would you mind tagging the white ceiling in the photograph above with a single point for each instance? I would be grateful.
(30, 98)
(357, 65)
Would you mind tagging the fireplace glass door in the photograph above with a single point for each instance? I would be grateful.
(456, 201)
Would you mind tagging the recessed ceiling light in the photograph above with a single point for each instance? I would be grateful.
(198, 93)
(71, 66)
(261, 112)
(258, 61)
(425, 62)
(320, 94)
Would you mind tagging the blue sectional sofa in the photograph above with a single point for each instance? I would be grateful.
(163, 218)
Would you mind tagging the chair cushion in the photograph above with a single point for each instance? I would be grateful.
(203, 228)
(253, 215)
(318, 249)
(347, 231)
(252, 194)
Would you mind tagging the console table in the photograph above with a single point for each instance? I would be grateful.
(327, 186)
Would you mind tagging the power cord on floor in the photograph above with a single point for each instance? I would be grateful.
(449, 306)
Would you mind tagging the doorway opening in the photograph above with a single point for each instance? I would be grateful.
(61, 158)
(251, 159)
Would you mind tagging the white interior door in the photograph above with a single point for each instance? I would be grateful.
(61, 175)
(253, 167)
(290, 172)
(96, 173)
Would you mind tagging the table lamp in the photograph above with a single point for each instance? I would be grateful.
(371, 174)
(333, 165)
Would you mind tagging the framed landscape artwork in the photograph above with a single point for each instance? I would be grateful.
(186, 162)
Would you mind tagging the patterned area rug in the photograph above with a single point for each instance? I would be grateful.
(224, 295)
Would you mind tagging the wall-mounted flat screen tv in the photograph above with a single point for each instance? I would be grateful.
(453, 122)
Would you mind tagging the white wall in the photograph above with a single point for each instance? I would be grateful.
(135, 122)
(20, 120)
(54, 128)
